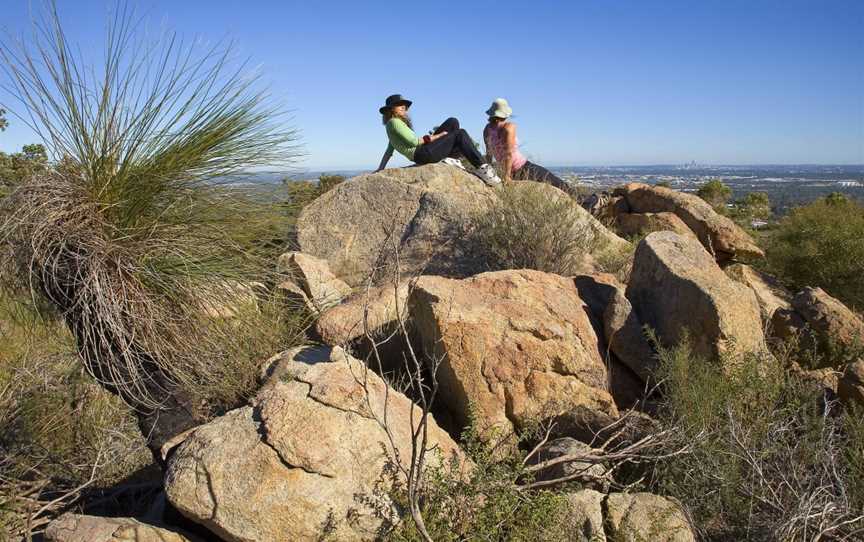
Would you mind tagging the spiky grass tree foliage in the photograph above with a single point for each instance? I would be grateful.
(132, 237)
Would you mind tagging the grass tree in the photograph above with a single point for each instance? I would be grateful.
(134, 237)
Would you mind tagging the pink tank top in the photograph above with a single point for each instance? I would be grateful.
(498, 139)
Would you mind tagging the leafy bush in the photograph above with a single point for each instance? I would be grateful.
(134, 240)
(527, 229)
(716, 193)
(487, 504)
(769, 460)
(821, 244)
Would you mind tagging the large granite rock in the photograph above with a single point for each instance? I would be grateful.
(425, 211)
(517, 345)
(718, 234)
(836, 329)
(639, 517)
(676, 288)
(308, 458)
(80, 528)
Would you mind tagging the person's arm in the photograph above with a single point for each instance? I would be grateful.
(510, 130)
(404, 133)
(487, 144)
(386, 158)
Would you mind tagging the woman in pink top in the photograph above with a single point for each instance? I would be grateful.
(501, 142)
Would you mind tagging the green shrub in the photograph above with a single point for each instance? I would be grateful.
(527, 229)
(765, 451)
(821, 244)
(716, 193)
(486, 504)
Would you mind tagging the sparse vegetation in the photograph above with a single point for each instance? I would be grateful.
(771, 459)
(526, 229)
(821, 244)
(63, 435)
(486, 504)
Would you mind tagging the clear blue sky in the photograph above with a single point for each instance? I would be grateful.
(591, 83)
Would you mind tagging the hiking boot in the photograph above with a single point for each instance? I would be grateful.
(488, 175)
(455, 162)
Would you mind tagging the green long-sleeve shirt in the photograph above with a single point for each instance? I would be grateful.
(402, 138)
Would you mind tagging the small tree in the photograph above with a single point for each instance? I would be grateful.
(716, 193)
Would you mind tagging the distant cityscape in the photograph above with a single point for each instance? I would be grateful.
(786, 185)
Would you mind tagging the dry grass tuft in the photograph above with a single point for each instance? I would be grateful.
(135, 240)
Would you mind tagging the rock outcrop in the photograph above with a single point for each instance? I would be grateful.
(718, 234)
(425, 211)
(518, 345)
(676, 288)
(637, 517)
(308, 457)
(79, 528)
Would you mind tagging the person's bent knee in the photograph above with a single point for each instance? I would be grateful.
(452, 121)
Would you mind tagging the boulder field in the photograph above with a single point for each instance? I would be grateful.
(312, 453)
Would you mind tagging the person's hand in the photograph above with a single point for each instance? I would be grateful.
(439, 135)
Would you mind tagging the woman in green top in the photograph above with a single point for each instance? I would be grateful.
(447, 143)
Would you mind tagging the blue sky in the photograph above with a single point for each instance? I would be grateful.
(591, 83)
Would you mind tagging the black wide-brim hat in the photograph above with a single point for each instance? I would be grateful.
(393, 101)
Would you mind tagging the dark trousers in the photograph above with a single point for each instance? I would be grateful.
(532, 172)
(456, 143)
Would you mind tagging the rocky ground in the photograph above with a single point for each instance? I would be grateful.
(386, 265)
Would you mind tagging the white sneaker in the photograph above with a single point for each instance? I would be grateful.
(453, 162)
(488, 175)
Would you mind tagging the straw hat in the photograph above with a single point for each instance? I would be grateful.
(500, 108)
